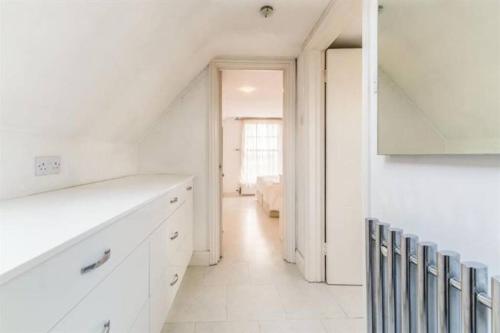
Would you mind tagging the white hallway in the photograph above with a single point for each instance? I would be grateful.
(253, 290)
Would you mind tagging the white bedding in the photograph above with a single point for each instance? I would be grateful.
(269, 194)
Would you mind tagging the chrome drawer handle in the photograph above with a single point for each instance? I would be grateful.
(174, 200)
(174, 281)
(189, 188)
(107, 327)
(100, 262)
(174, 236)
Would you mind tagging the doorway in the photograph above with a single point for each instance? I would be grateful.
(263, 176)
(252, 164)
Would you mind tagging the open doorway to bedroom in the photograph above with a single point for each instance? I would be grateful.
(252, 164)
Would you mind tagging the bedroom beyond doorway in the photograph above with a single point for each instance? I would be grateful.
(252, 131)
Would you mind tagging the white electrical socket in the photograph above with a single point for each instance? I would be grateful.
(47, 165)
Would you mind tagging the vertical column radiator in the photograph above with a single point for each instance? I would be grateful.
(414, 288)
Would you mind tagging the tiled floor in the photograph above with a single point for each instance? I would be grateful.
(254, 290)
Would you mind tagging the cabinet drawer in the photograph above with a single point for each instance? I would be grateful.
(176, 197)
(141, 324)
(163, 296)
(182, 192)
(51, 289)
(160, 244)
(180, 234)
(175, 275)
(171, 250)
(186, 247)
(116, 302)
(179, 238)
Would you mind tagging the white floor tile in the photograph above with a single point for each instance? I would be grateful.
(253, 302)
(292, 326)
(277, 272)
(253, 290)
(345, 325)
(303, 300)
(181, 312)
(178, 328)
(227, 274)
(351, 299)
(228, 327)
(199, 303)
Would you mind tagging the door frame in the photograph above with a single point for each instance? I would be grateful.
(216, 66)
(311, 107)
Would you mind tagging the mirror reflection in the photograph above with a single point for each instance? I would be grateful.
(439, 77)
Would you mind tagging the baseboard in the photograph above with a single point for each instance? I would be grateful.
(200, 258)
(300, 262)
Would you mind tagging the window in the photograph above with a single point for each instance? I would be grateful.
(261, 153)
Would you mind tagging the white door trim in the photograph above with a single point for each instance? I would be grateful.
(311, 101)
(287, 65)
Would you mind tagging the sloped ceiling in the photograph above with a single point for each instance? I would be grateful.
(106, 69)
(445, 55)
(350, 36)
(265, 101)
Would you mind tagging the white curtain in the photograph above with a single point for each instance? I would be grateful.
(261, 153)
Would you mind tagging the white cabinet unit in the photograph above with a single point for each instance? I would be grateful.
(141, 323)
(115, 302)
(120, 267)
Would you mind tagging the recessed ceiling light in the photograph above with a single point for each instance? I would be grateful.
(246, 89)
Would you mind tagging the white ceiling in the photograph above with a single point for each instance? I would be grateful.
(266, 100)
(107, 69)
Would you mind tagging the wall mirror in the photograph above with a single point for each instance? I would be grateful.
(438, 77)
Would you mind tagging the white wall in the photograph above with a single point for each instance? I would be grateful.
(231, 155)
(178, 143)
(85, 80)
(82, 161)
(452, 200)
(108, 69)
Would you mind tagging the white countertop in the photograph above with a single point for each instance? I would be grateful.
(36, 227)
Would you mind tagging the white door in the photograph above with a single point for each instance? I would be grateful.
(344, 225)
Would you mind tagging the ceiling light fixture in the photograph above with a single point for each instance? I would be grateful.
(246, 89)
(266, 11)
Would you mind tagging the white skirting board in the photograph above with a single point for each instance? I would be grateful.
(200, 258)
